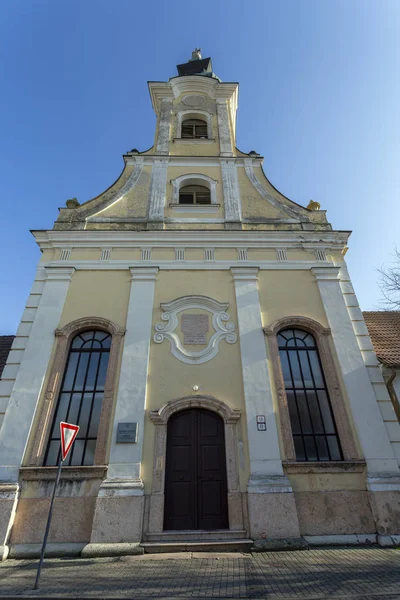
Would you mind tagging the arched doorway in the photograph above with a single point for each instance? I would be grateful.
(195, 476)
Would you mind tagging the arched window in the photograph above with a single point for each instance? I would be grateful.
(314, 430)
(81, 397)
(194, 194)
(194, 129)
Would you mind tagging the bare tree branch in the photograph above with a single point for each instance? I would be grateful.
(389, 284)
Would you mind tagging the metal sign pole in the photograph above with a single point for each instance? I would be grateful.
(35, 587)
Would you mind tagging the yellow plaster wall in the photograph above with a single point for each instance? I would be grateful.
(97, 294)
(126, 254)
(134, 202)
(170, 378)
(300, 255)
(85, 254)
(163, 254)
(288, 293)
(194, 254)
(275, 193)
(226, 254)
(105, 195)
(49, 254)
(179, 148)
(253, 204)
(261, 254)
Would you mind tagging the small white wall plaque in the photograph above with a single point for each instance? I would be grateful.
(261, 424)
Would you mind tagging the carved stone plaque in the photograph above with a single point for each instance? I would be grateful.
(194, 100)
(194, 328)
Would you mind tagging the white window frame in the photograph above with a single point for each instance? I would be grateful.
(194, 179)
(190, 114)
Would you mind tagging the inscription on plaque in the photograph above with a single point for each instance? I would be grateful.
(127, 433)
(194, 328)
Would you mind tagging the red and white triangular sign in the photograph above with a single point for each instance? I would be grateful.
(68, 435)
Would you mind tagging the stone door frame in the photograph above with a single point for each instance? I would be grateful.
(160, 419)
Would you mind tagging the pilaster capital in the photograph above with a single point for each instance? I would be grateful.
(143, 273)
(245, 273)
(326, 273)
(59, 273)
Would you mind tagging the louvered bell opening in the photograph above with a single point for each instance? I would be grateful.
(194, 129)
(186, 198)
(200, 132)
(194, 194)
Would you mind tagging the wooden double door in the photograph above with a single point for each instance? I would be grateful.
(195, 477)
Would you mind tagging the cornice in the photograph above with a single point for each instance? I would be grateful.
(188, 265)
(334, 240)
(184, 160)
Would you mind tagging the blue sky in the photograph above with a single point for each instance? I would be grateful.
(319, 99)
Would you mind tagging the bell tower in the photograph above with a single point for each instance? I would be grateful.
(196, 94)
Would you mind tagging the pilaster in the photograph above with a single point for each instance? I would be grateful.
(265, 458)
(370, 360)
(14, 433)
(158, 191)
(225, 140)
(230, 188)
(371, 430)
(164, 126)
(122, 492)
(272, 509)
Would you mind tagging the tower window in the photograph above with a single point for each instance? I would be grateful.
(194, 129)
(194, 194)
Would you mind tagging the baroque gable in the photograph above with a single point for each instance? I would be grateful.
(195, 135)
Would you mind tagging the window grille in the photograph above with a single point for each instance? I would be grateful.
(194, 194)
(194, 129)
(314, 431)
(81, 397)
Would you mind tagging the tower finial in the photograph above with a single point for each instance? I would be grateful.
(196, 54)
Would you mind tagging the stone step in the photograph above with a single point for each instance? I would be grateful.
(197, 535)
(241, 545)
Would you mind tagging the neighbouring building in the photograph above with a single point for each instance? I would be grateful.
(384, 330)
(203, 331)
(6, 342)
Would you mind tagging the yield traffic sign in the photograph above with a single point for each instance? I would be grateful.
(68, 435)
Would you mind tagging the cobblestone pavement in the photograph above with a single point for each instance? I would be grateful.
(370, 573)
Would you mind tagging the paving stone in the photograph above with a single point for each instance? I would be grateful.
(335, 573)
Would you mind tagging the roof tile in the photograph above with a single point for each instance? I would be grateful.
(384, 329)
(5, 347)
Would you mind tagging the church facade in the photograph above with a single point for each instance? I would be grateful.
(202, 330)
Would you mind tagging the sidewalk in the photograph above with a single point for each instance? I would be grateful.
(367, 573)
